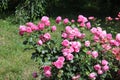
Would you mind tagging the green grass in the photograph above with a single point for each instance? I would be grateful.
(15, 63)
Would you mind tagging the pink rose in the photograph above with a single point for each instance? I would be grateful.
(118, 37)
(41, 26)
(66, 21)
(93, 30)
(61, 58)
(104, 62)
(47, 36)
(97, 67)
(100, 72)
(32, 25)
(105, 68)
(91, 18)
(64, 35)
(47, 73)
(28, 30)
(66, 51)
(44, 19)
(69, 57)
(115, 51)
(53, 28)
(71, 36)
(58, 19)
(72, 21)
(96, 38)
(65, 43)
(22, 28)
(68, 29)
(109, 36)
(94, 54)
(106, 46)
(88, 25)
(92, 75)
(40, 42)
(88, 52)
(76, 77)
(46, 68)
(117, 18)
(47, 23)
(109, 18)
(76, 46)
(82, 24)
(58, 64)
(114, 43)
(118, 71)
(82, 19)
(87, 43)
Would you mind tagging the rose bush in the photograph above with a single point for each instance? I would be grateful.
(69, 50)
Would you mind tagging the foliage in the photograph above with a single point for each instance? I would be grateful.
(29, 10)
(79, 51)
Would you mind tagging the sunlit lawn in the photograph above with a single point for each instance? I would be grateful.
(15, 63)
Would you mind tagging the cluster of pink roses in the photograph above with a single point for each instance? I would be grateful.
(100, 69)
(44, 38)
(72, 33)
(107, 42)
(71, 43)
(83, 21)
(47, 71)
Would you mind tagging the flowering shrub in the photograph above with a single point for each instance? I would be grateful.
(70, 50)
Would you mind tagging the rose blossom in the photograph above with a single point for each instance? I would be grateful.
(40, 42)
(28, 30)
(82, 24)
(104, 62)
(82, 19)
(109, 18)
(64, 35)
(46, 68)
(22, 28)
(34, 74)
(76, 77)
(68, 29)
(88, 25)
(118, 37)
(117, 18)
(87, 43)
(88, 52)
(94, 54)
(47, 36)
(58, 19)
(72, 21)
(47, 73)
(69, 57)
(53, 28)
(58, 64)
(100, 72)
(97, 67)
(61, 58)
(92, 75)
(44, 19)
(105, 68)
(47, 23)
(65, 43)
(41, 26)
(66, 51)
(91, 18)
(65, 21)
